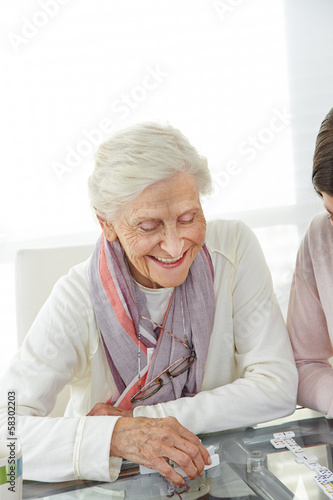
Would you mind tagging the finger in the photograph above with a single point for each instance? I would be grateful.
(192, 447)
(175, 449)
(105, 409)
(152, 457)
(99, 409)
(166, 470)
(193, 466)
(198, 447)
(204, 454)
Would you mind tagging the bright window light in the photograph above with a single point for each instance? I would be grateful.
(78, 70)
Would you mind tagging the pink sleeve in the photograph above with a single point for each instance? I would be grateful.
(310, 339)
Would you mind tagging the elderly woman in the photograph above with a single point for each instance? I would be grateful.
(310, 313)
(170, 329)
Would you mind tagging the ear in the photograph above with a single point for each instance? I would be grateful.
(108, 229)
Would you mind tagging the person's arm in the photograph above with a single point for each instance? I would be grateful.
(267, 383)
(152, 442)
(56, 350)
(307, 326)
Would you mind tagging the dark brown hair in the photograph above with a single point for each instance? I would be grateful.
(322, 173)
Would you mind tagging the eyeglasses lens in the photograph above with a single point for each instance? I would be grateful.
(182, 366)
(156, 384)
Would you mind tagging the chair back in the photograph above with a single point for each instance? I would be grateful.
(36, 272)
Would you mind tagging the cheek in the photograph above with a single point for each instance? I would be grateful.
(203, 235)
(137, 246)
(199, 234)
(196, 238)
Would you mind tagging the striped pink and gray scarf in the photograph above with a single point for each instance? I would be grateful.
(119, 306)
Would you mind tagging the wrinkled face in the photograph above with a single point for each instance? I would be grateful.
(328, 203)
(161, 231)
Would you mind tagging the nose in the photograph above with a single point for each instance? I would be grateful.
(172, 242)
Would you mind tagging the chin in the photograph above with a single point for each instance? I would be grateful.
(167, 283)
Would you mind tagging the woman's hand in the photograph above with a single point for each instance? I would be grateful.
(154, 441)
(104, 409)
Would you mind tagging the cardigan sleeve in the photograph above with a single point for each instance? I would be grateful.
(56, 351)
(307, 326)
(265, 384)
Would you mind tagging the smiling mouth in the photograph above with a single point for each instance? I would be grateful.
(169, 261)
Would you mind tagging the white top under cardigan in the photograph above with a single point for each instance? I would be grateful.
(250, 375)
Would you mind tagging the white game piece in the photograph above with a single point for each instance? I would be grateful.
(324, 478)
(284, 435)
(215, 458)
(277, 443)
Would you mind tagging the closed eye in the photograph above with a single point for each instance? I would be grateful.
(149, 226)
(187, 219)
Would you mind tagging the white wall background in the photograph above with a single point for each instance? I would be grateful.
(248, 82)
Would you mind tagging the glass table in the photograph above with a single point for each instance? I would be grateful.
(250, 468)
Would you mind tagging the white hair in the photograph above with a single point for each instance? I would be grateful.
(137, 157)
